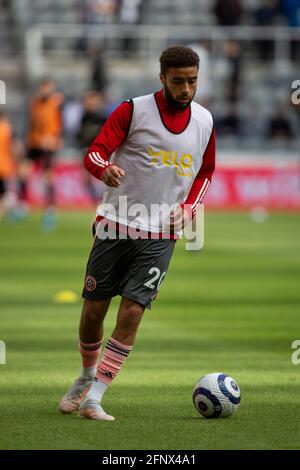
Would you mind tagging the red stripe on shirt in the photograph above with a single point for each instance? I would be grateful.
(204, 176)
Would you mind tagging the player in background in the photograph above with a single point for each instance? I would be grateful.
(158, 148)
(10, 152)
(92, 120)
(44, 139)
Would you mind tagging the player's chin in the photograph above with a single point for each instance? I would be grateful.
(183, 103)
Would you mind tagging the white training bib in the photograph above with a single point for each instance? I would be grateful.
(160, 166)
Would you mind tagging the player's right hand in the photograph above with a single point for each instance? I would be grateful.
(112, 175)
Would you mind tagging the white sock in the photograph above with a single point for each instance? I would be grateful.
(96, 391)
(88, 373)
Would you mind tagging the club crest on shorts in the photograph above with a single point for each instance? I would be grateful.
(90, 283)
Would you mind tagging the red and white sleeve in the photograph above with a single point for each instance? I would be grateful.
(111, 136)
(203, 179)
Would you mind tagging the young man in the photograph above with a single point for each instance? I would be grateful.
(7, 159)
(44, 139)
(154, 149)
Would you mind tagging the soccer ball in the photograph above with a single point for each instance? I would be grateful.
(216, 396)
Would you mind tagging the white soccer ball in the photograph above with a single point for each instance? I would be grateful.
(216, 396)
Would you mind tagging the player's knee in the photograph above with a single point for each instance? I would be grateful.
(92, 310)
(89, 314)
(130, 317)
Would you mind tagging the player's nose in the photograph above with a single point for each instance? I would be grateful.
(186, 88)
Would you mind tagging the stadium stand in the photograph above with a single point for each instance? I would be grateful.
(57, 37)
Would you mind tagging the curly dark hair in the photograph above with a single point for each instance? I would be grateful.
(178, 56)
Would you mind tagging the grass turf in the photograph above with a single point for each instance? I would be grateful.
(233, 307)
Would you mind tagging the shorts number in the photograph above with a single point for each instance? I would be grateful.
(153, 279)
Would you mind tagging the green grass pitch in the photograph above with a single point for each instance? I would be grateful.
(233, 308)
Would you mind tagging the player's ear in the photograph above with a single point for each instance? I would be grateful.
(162, 79)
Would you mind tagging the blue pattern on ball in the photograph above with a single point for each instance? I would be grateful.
(225, 391)
(212, 398)
(234, 385)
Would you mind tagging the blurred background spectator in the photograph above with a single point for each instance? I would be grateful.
(233, 53)
(98, 74)
(96, 11)
(291, 10)
(93, 118)
(267, 14)
(228, 12)
(204, 91)
(129, 14)
(129, 11)
(279, 126)
(229, 125)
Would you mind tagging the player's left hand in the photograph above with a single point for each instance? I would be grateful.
(112, 176)
(179, 218)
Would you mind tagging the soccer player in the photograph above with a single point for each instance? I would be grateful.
(44, 139)
(7, 160)
(153, 149)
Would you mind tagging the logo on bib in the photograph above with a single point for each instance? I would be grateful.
(171, 158)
